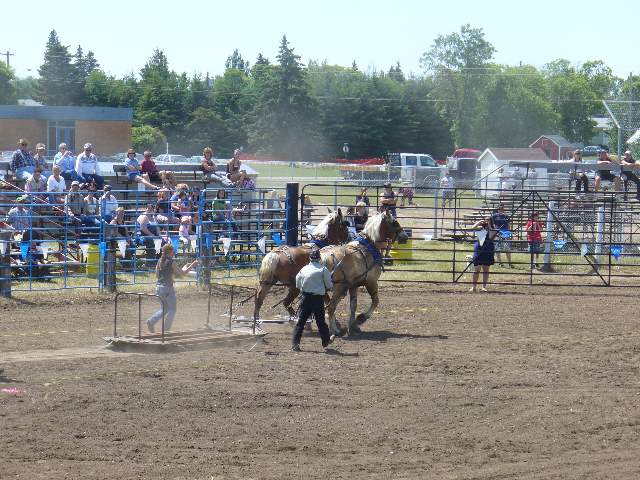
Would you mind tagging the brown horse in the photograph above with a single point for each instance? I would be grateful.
(280, 266)
(359, 263)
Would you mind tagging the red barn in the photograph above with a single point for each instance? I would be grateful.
(555, 146)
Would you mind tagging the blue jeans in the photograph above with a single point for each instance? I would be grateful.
(24, 173)
(70, 176)
(99, 181)
(168, 294)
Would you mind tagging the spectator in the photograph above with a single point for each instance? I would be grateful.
(220, 207)
(388, 200)
(108, 204)
(363, 197)
(581, 175)
(36, 182)
(502, 180)
(184, 230)
(209, 168)
(500, 221)
(119, 231)
(360, 218)
(483, 252)
(604, 159)
(21, 219)
(273, 208)
(163, 208)
(534, 238)
(22, 162)
(41, 161)
(234, 171)
(148, 167)
(56, 186)
(87, 167)
(67, 163)
(166, 269)
(180, 201)
(447, 184)
(307, 209)
(406, 192)
(147, 230)
(629, 161)
(134, 173)
(168, 180)
(75, 207)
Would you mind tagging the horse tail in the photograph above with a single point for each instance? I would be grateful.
(268, 267)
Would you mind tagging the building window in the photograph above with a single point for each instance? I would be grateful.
(60, 132)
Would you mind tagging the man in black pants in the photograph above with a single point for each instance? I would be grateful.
(313, 281)
(629, 161)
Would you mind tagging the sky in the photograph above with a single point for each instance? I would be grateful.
(197, 36)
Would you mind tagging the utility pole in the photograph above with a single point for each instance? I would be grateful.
(7, 54)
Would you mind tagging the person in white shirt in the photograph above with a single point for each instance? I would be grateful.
(313, 281)
(108, 204)
(87, 167)
(56, 186)
(447, 183)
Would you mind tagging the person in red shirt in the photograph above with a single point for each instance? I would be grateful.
(148, 166)
(534, 237)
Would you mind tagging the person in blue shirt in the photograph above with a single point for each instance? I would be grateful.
(67, 163)
(501, 221)
(133, 171)
(22, 162)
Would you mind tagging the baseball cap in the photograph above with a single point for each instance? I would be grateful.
(386, 184)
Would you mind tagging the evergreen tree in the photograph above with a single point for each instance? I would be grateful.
(59, 78)
(285, 114)
(236, 61)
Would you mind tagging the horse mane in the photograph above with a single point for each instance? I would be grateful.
(372, 229)
(322, 229)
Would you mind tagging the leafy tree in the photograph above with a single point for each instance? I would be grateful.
(146, 137)
(457, 62)
(206, 128)
(518, 107)
(26, 87)
(574, 98)
(58, 83)
(7, 85)
(108, 91)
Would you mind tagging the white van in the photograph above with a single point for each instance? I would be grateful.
(420, 169)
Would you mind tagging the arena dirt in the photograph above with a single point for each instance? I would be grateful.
(517, 383)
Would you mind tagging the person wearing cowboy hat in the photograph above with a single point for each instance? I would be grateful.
(314, 280)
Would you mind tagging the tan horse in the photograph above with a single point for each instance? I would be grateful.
(359, 263)
(280, 266)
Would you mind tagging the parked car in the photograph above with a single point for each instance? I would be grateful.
(170, 158)
(591, 150)
(121, 157)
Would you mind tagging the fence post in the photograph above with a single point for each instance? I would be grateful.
(435, 212)
(599, 234)
(546, 261)
(5, 263)
(291, 214)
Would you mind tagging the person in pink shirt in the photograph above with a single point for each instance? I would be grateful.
(534, 236)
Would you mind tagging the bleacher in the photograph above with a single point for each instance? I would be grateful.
(71, 248)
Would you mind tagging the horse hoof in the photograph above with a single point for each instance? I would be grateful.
(361, 318)
(354, 330)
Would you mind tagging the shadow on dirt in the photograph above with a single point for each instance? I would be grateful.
(384, 335)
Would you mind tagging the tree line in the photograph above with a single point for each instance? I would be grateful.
(289, 110)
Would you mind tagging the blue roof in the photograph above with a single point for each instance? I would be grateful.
(45, 112)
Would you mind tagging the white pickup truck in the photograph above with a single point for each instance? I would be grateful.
(420, 169)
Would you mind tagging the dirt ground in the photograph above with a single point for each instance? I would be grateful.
(517, 383)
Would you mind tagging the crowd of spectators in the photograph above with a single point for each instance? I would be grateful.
(69, 200)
